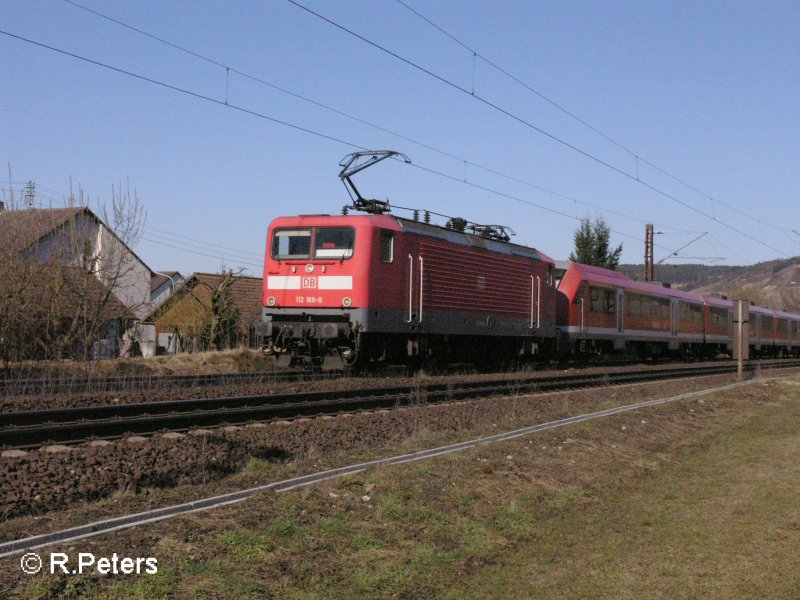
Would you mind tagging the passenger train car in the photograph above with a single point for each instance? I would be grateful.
(602, 311)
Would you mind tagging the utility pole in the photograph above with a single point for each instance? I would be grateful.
(30, 194)
(648, 252)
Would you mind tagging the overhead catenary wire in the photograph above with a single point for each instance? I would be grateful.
(636, 156)
(534, 127)
(270, 119)
(229, 69)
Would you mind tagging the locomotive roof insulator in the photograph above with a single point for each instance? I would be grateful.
(457, 224)
(500, 233)
(357, 162)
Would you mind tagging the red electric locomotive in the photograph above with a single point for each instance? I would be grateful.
(371, 288)
(359, 289)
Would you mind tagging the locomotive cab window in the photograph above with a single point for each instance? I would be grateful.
(291, 243)
(387, 246)
(334, 242)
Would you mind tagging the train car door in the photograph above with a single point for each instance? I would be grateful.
(674, 312)
(620, 311)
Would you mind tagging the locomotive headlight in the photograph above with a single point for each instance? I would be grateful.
(309, 268)
(346, 302)
(271, 301)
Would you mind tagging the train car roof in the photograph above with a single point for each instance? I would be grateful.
(786, 315)
(418, 228)
(616, 279)
(754, 308)
(717, 301)
(469, 239)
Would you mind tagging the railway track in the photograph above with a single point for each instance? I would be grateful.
(76, 385)
(28, 429)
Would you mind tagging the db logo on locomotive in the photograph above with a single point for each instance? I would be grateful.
(309, 283)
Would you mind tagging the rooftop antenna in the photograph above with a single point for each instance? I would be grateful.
(357, 162)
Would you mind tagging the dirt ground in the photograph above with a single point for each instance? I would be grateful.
(636, 504)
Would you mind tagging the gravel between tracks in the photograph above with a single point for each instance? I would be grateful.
(43, 481)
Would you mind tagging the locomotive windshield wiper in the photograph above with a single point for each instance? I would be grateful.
(352, 164)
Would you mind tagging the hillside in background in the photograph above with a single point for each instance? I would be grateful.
(774, 283)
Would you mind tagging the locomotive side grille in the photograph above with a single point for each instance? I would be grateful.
(466, 280)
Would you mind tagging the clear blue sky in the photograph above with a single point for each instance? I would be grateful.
(707, 91)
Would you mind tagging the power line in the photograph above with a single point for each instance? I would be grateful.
(202, 247)
(445, 153)
(530, 125)
(583, 122)
(203, 242)
(197, 252)
(280, 122)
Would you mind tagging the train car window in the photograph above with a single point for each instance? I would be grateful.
(691, 313)
(664, 308)
(594, 297)
(602, 300)
(634, 305)
(549, 276)
(719, 316)
(291, 243)
(387, 246)
(659, 308)
(334, 242)
(766, 323)
(783, 326)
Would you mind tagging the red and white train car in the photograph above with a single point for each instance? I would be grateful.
(773, 332)
(601, 311)
(787, 333)
(369, 288)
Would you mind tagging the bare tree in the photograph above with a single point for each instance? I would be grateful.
(68, 277)
(224, 318)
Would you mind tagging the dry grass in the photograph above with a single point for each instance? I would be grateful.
(224, 361)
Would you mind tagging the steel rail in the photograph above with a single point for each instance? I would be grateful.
(29, 429)
(55, 385)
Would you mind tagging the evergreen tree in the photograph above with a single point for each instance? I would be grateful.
(592, 245)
